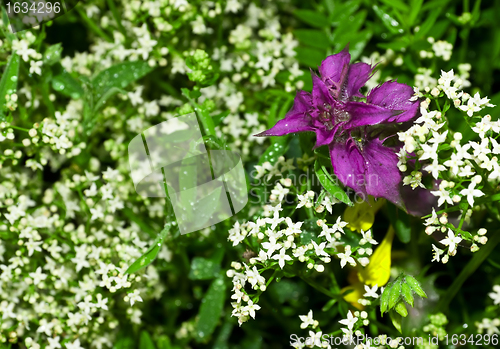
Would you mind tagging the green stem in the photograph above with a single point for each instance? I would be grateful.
(19, 128)
(92, 25)
(205, 118)
(479, 257)
(309, 211)
(112, 7)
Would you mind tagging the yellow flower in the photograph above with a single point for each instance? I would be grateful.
(361, 216)
(377, 272)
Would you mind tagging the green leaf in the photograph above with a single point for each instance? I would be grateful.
(224, 333)
(118, 76)
(8, 83)
(389, 22)
(406, 291)
(396, 320)
(344, 12)
(206, 268)
(427, 25)
(397, 4)
(415, 286)
(145, 341)
(310, 57)
(313, 18)
(401, 309)
(210, 309)
(5, 30)
(358, 43)
(401, 223)
(218, 118)
(67, 85)
(312, 37)
(395, 294)
(151, 253)
(415, 6)
(476, 12)
(52, 55)
(326, 181)
(384, 299)
(275, 150)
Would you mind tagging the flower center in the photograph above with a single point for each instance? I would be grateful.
(332, 115)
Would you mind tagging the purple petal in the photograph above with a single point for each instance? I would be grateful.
(371, 170)
(332, 67)
(383, 179)
(363, 114)
(395, 96)
(296, 120)
(359, 74)
(325, 136)
(320, 94)
(349, 165)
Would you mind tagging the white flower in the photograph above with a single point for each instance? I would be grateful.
(282, 257)
(251, 308)
(74, 345)
(279, 192)
(443, 195)
(371, 292)
(471, 193)
(135, 97)
(451, 241)
(437, 253)
(350, 321)
(38, 276)
(271, 246)
(320, 249)
(494, 295)
(368, 237)
(134, 297)
(307, 320)
(35, 67)
(435, 168)
(346, 257)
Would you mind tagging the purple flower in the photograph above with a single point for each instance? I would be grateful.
(333, 111)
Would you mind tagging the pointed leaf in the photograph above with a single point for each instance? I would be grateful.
(415, 286)
(326, 181)
(384, 299)
(406, 291)
(145, 341)
(151, 253)
(395, 294)
(401, 309)
(313, 18)
(210, 309)
(8, 83)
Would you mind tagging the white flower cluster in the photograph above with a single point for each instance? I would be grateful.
(430, 137)
(461, 175)
(59, 279)
(281, 242)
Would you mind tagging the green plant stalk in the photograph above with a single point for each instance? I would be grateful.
(112, 7)
(479, 257)
(92, 25)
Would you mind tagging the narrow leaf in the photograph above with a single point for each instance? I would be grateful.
(406, 291)
(415, 286)
(8, 83)
(210, 309)
(335, 190)
(401, 309)
(145, 341)
(151, 253)
(395, 294)
(313, 18)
